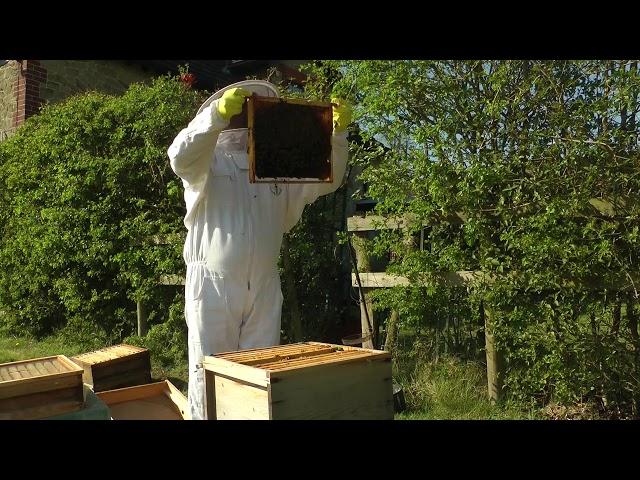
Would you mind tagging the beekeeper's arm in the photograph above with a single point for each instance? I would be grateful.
(302, 195)
(191, 152)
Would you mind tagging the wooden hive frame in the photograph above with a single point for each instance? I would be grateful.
(40, 388)
(115, 367)
(255, 102)
(308, 380)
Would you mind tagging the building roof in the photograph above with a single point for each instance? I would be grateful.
(210, 74)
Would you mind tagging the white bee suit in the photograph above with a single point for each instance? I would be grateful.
(233, 299)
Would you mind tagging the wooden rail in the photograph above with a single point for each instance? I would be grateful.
(362, 229)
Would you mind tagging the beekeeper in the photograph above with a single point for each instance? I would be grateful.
(233, 299)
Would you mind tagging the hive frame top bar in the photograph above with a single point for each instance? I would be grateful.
(296, 101)
(263, 365)
(109, 354)
(62, 365)
(298, 345)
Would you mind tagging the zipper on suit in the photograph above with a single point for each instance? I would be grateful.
(250, 229)
(239, 177)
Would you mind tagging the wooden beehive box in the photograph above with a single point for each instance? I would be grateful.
(40, 388)
(300, 381)
(154, 401)
(289, 140)
(93, 409)
(115, 367)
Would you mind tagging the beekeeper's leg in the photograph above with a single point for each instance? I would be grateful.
(261, 327)
(212, 329)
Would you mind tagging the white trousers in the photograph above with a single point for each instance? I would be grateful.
(224, 314)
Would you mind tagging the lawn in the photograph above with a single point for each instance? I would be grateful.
(450, 389)
(22, 348)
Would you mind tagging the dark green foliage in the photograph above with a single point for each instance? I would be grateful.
(85, 186)
(318, 262)
(319, 271)
(526, 152)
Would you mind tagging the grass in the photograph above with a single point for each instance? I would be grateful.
(446, 389)
(13, 349)
(450, 389)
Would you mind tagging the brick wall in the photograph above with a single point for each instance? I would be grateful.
(68, 77)
(25, 85)
(8, 101)
(28, 85)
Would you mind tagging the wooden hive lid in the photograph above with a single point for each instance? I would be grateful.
(58, 365)
(109, 354)
(299, 355)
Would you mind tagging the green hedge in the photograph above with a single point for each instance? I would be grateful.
(519, 148)
(84, 187)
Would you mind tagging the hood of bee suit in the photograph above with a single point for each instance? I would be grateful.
(259, 87)
(235, 140)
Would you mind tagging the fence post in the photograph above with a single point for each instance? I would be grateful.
(142, 319)
(495, 358)
(363, 262)
(394, 317)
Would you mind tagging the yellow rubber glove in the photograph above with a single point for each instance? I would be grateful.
(231, 102)
(342, 114)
